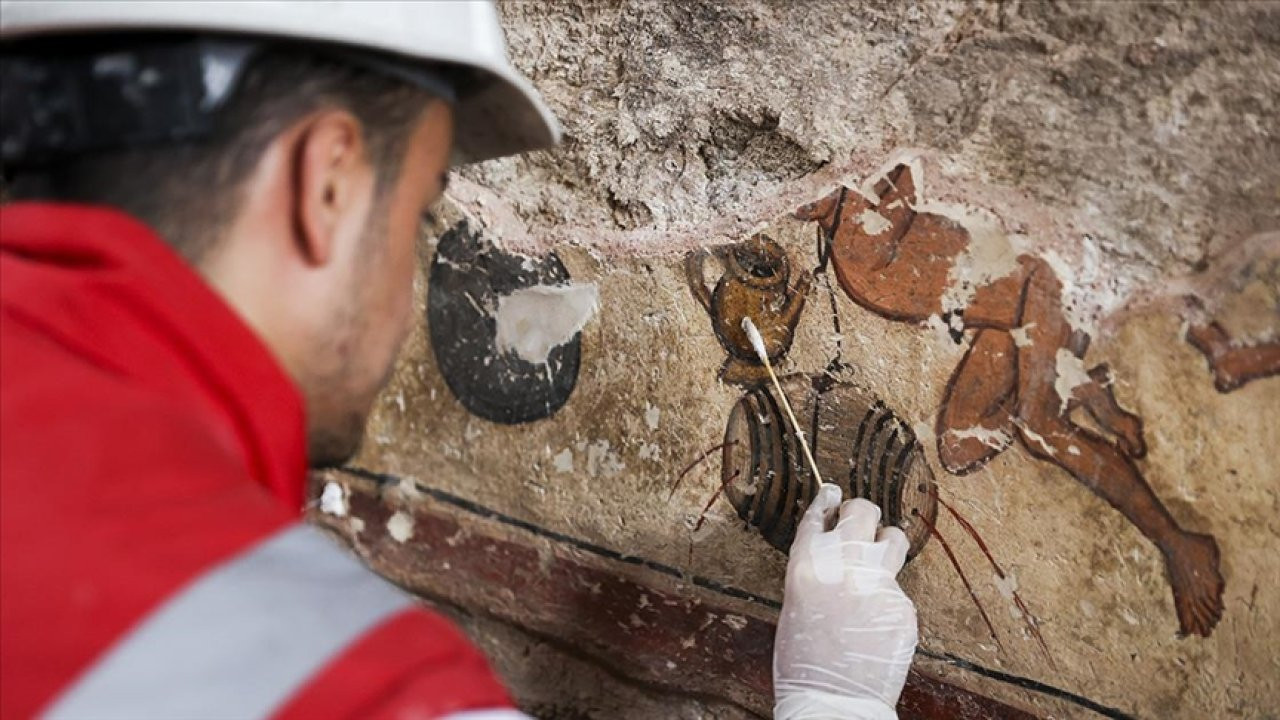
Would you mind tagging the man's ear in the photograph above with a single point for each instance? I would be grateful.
(329, 164)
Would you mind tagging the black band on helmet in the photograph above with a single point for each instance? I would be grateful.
(64, 97)
(61, 101)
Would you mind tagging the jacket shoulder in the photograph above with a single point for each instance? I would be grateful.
(60, 413)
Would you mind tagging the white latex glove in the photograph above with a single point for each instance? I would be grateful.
(847, 632)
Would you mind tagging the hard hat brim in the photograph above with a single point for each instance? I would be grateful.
(506, 117)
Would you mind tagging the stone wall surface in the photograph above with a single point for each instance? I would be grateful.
(1019, 265)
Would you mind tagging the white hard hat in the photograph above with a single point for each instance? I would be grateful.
(504, 116)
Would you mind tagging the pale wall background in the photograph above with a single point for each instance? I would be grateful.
(1135, 144)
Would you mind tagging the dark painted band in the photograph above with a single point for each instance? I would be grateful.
(727, 590)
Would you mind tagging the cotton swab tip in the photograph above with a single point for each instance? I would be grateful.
(757, 342)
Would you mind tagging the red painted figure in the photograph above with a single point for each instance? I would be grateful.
(1006, 388)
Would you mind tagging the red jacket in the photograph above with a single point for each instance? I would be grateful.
(152, 464)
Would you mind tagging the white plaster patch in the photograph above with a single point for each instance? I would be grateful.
(873, 223)
(1091, 287)
(649, 451)
(333, 500)
(563, 461)
(1070, 375)
(533, 321)
(989, 256)
(471, 432)
(1038, 439)
(1007, 585)
(1089, 609)
(450, 263)
(992, 438)
(602, 460)
(481, 309)
(652, 415)
(911, 157)
(400, 526)
(939, 328)
(457, 537)
(1020, 337)
(407, 487)
(924, 431)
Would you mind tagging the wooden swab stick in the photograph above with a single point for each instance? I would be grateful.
(757, 343)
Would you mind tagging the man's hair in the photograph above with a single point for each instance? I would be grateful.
(189, 191)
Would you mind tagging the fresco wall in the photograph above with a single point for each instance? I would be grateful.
(1018, 266)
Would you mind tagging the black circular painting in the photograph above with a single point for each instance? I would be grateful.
(468, 276)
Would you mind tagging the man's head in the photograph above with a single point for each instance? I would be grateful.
(302, 210)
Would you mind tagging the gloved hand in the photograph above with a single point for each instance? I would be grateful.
(847, 632)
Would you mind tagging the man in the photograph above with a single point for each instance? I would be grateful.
(201, 293)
